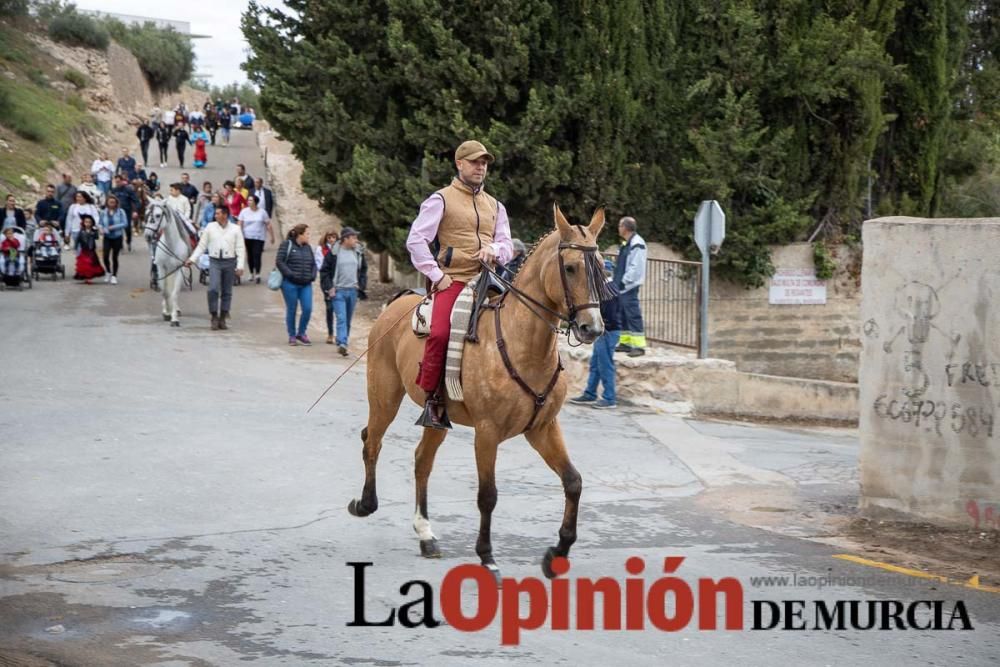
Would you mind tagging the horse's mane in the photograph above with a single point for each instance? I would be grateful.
(536, 244)
(531, 251)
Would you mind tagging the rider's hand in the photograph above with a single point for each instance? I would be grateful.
(486, 254)
(188, 263)
(443, 284)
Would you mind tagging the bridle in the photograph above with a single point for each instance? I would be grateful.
(591, 263)
(157, 230)
(599, 290)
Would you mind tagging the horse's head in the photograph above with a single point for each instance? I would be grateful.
(573, 273)
(156, 217)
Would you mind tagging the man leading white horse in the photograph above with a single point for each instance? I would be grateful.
(169, 239)
(223, 241)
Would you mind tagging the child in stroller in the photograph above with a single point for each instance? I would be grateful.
(46, 255)
(13, 250)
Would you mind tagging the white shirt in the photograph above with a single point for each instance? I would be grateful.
(254, 223)
(222, 242)
(74, 213)
(181, 204)
(102, 170)
(96, 197)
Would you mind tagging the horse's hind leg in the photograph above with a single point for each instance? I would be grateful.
(547, 439)
(423, 462)
(384, 397)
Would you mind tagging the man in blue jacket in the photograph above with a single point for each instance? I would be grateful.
(630, 273)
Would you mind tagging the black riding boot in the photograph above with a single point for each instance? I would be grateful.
(435, 413)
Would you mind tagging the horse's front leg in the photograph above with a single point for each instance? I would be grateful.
(161, 285)
(486, 459)
(175, 300)
(547, 439)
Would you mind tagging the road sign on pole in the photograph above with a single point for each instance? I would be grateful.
(709, 233)
(709, 227)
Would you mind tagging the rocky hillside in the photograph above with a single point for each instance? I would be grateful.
(60, 106)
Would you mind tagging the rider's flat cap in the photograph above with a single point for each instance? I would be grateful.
(473, 150)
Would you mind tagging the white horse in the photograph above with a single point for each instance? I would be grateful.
(167, 236)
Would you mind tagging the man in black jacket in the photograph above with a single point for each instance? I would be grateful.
(128, 202)
(188, 189)
(181, 139)
(265, 197)
(50, 209)
(145, 135)
(243, 179)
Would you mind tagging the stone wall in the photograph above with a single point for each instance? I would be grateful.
(820, 342)
(668, 380)
(131, 88)
(930, 369)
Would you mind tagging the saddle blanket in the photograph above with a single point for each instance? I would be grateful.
(461, 314)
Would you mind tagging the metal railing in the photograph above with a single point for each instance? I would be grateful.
(669, 299)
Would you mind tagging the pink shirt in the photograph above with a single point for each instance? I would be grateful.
(424, 231)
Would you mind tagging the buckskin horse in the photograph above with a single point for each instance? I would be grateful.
(511, 379)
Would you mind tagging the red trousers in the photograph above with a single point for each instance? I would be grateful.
(436, 347)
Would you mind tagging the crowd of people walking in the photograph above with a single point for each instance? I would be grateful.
(231, 226)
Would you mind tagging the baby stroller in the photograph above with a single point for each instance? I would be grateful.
(14, 263)
(48, 259)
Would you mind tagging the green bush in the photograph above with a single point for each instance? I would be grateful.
(78, 30)
(165, 56)
(13, 7)
(76, 78)
(77, 103)
(37, 77)
(823, 261)
(16, 118)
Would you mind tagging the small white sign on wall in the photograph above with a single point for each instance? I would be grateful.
(797, 287)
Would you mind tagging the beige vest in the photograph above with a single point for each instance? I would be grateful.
(468, 223)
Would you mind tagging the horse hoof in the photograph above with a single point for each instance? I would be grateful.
(495, 571)
(429, 548)
(547, 570)
(166, 318)
(175, 324)
(356, 509)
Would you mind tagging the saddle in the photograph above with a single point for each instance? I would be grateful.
(486, 286)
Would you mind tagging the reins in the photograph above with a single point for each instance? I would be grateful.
(599, 289)
(159, 232)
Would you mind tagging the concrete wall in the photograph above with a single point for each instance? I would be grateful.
(930, 370)
(677, 382)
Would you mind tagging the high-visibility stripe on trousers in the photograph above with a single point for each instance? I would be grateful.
(633, 331)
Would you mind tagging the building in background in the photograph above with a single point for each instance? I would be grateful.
(183, 27)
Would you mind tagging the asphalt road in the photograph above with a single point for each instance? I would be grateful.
(165, 499)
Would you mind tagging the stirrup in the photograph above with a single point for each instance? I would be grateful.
(429, 417)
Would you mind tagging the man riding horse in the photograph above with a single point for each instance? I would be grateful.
(458, 227)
